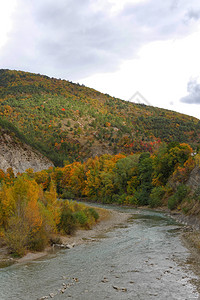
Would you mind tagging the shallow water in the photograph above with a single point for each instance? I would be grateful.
(143, 260)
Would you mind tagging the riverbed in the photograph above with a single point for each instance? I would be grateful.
(143, 258)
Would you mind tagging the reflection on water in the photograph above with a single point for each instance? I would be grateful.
(141, 260)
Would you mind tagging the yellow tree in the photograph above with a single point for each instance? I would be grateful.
(22, 222)
(7, 205)
(93, 180)
(77, 179)
(53, 204)
(42, 178)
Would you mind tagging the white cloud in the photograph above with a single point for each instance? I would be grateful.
(71, 39)
(6, 10)
(193, 89)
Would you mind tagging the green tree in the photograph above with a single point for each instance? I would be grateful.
(124, 170)
(145, 170)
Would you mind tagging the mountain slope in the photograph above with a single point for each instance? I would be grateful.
(67, 122)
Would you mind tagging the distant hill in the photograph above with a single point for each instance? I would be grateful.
(67, 121)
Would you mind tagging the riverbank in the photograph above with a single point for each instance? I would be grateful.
(191, 234)
(108, 219)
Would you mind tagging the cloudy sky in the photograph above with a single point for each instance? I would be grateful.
(115, 46)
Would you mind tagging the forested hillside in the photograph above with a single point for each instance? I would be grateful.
(70, 122)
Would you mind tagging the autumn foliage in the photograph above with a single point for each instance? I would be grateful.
(33, 205)
(68, 122)
(29, 215)
(136, 179)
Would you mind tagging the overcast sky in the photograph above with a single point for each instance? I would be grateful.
(115, 46)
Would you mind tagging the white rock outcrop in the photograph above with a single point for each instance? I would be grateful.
(19, 156)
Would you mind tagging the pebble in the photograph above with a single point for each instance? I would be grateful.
(116, 287)
(64, 285)
(119, 289)
(104, 280)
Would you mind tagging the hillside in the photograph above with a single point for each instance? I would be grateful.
(68, 122)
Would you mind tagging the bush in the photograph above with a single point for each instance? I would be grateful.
(67, 222)
(142, 196)
(131, 200)
(16, 236)
(178, 197)
(67, 195)
(38, 241)
(93, 213)
(115, 198)
(182, 192)
(156, 196)
(172, 202)
(81, 218)
(122, 199)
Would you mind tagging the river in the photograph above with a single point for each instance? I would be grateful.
(143, 259)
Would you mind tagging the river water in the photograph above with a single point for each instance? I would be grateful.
(143, 259)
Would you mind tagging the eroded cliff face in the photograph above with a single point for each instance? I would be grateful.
(194, 179)
(19, 156)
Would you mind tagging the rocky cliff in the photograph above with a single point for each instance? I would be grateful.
(194, 179)
(19, 156)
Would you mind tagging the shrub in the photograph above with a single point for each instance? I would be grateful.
(38, 241)
(68, 223)
(67, 195)
(93, 213)
(156, 196)
(172, 202)
(181, 192)
(142, 196)
(178, 197)
(119, 199)
(81, 218)
(132, 200)
(115, 198)
(16, 236)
